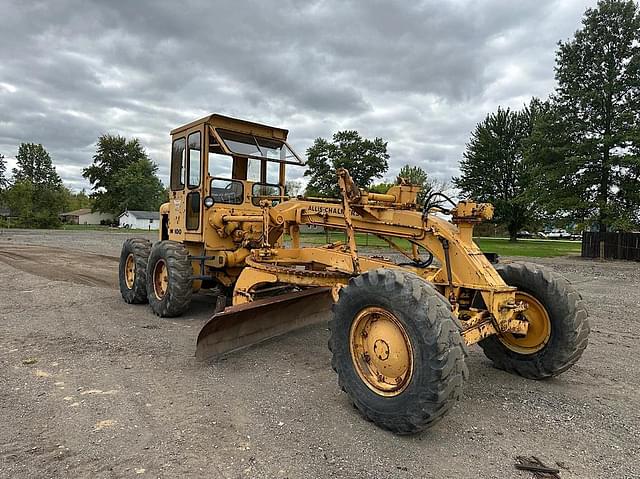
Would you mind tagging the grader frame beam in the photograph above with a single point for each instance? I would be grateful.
(463, 265)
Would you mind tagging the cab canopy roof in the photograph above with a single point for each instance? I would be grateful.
(246, 138)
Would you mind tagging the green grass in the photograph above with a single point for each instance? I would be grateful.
(502, 246)
(524, 247)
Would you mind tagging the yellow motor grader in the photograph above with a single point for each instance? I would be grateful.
(399, 330)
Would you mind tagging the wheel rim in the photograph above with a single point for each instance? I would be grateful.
(130, 271)
(160, 279)
(381, 351)
(539, 330)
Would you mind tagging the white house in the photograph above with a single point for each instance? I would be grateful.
(144, 220)
(84, 216)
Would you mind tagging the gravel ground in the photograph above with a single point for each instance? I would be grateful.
(92, 387)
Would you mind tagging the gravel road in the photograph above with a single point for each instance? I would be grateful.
(93, 387)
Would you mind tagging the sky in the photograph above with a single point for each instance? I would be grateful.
(418, 74)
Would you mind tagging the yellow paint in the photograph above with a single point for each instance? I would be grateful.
(243, 239)
(381, 351)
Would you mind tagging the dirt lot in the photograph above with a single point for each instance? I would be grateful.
(92, 387)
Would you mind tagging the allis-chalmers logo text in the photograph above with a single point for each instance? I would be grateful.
(331, 210)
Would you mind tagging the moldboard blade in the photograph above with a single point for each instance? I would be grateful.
(241, 326)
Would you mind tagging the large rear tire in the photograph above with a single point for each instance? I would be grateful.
(397, 350)
(169, 279)
(558, 324)
(132, 270)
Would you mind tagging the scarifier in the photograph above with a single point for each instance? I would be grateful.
(399, 331)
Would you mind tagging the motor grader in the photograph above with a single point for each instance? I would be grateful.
(399, 330)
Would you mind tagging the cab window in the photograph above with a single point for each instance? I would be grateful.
(177, 164)
(226, 191)
(273, 172)
(193, 210)
(253, 169)
(262, 191)
(194, 160)
(220, 166)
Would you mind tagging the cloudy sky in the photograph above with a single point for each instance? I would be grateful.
(418, 74)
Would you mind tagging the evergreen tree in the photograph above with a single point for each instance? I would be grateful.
(4, 182)
(585, 147)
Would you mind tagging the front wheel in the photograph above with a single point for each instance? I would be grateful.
(558, 324)
(397, 350)
(169, 279)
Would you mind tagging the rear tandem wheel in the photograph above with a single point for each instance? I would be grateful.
(132, 270)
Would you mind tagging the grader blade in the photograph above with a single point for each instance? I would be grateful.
(241, 326)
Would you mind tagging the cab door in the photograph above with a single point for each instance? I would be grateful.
(193, 186)
(186, 186)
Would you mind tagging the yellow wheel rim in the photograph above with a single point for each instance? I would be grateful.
(160, 279)
(130, 271)
(539, 330)
(381, 351)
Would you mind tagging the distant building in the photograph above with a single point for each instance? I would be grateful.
(144, 220)
(84, 216)
(6, 212)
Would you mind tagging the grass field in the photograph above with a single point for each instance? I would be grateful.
(538, 248)
(502, 246)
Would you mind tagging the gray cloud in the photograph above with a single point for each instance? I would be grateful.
(420, 75)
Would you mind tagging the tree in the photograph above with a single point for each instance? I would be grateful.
(493, 169)
(414, 175)
(585, 148)
(380, 187)
(4, 182)
(76, 201)
(364, 158)
(34, 166)
(37, 194)
(138, 187)
(114, 154)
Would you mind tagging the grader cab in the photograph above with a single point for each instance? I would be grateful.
(399, 330)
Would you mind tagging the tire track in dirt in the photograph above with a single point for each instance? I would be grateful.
(60, 264)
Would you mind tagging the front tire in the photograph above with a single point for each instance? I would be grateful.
(397, 350)
(169, 279)
(132, 270)
(558, 324)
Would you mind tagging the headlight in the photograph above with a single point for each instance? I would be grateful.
(208, 201)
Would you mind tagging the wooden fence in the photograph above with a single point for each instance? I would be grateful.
(611, 245)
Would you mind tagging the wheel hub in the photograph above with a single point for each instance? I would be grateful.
(539, 330)
(381, 351)
(160, 279)
(130, 271)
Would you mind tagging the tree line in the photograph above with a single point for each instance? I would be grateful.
(122, 177)
(572, 159)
